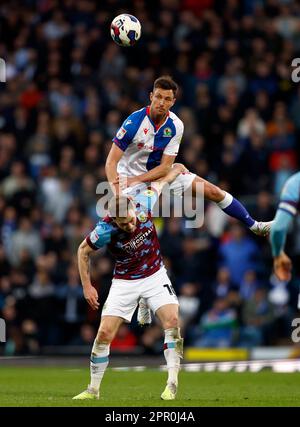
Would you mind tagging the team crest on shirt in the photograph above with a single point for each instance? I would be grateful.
(149, 193)
(94, 236)
(121, 133)
(167, 132)
(142, 217)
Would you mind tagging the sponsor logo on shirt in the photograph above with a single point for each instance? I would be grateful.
(145, 146)
(121, 133)
(94, 236)
(138, 241)
(148, 147)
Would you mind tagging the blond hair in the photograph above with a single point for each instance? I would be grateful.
(119, 206)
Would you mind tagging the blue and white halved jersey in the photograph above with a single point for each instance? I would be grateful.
(144, 144)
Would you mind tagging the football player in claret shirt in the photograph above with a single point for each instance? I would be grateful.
(146, 146)
(130, 235)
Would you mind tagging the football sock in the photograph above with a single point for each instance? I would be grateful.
(234, 208)
(98, 364)
(172, 353)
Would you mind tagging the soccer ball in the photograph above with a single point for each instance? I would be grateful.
(125, 30)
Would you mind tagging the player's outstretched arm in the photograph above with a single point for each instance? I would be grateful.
(279, 230)
(282, 263)
(111, 164)
(90, 293)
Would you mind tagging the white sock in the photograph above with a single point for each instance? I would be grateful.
(254, 226)
(171, 356)
(98, 364)
(226, 201)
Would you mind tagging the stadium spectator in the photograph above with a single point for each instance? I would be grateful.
(71, 305)
(217, 327)
(125, 340)
(223, 284)
(239, 254)
(258, 318)
(248, 285)
(189, 303)
(27, 238)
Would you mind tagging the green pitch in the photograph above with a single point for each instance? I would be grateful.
(27, 386)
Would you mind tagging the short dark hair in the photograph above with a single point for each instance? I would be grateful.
(118, 206)
(166, 82)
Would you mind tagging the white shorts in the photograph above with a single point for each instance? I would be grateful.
(124, 295)
(180, 184)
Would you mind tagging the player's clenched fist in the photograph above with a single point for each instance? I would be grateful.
(91, 295)
(283, 267)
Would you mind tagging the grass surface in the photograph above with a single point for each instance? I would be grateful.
(43, 386)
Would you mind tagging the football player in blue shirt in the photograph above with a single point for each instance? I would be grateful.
(146, 146)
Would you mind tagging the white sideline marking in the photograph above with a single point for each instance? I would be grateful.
(282, 366)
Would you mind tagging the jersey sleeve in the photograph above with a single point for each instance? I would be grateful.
(173, 146)
(290, 195)
(100, 236)
(127, 131)
(147, 199)
(287, 209)
(279, 230)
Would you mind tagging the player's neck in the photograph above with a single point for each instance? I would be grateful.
(158, 119)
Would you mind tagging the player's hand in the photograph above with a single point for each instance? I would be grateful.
(180, 168)
(91, 295)
(117, 180)
(126, 181)
(283, 267)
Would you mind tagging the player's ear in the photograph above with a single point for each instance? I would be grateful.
(151, 96)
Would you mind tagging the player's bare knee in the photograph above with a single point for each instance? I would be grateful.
(172, 322)
(105, 335)
(213, 193)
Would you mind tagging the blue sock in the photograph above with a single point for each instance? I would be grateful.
(234, 208)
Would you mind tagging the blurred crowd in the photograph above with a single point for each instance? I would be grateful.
(68, 89)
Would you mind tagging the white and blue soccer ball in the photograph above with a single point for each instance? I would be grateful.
(125, 30)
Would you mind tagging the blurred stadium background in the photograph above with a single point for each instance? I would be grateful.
(68, 89)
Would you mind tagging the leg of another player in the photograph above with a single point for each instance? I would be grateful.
(230, 205)
(99, 357)
(173, 347)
